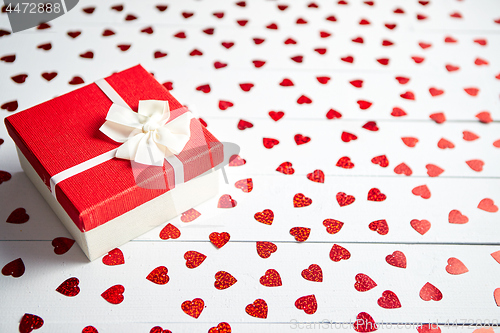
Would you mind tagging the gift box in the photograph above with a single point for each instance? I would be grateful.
(116, 158)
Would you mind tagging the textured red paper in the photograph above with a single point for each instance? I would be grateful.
(64, 132)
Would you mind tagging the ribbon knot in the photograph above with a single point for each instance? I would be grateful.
(147, 135)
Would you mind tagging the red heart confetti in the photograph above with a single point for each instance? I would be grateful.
(484, 117)
(170, 231)
(62, 245)
(429, 328)
(224, 105)
(364, 323)
(243, 124)
(114, 294)
(271, 278)
(15, 268)
(444, 144)
(398, 112)
(236, 160)
(410, 141)
(307, 303)
(159, 275)
(420, 226)
(422, 191)
(225, 201)
(10, 106)
(316, 176)
(269, 142)
(69, 287)
(194, 259)
(286, 168)
(190, 215)
(380, 226)
(286, 83)
(364, 105)
(469, 136)
(435, 92)
(364, 282)
(323, 79)
(332, 114)
(333, 226)
(476, 165)
(92, 329)
(381, 160)
(18, 216)
(266, 216)
(219, 239)
(224, 280)
(371, 126)
(265, 249)
(346, 136)
(403, 169)
(205, 88)
(49, 76)
(338, 253)
(344, 199)
(301, 234)
(8, 58)
(300, 200)
(246, 185)
(257, 309)
(304, 100)
(402, 79)
(301, 139)
(456, 267)
(114, 257)
(396, 259)
(345, 163)
(389, 300)
(438, 117)
(30, 322)
(357, 83)
(76, 80)
(488, 205)
(375, 195)
(276, 115)
(193, 308)
(433, 170)
(456, 217)
(430, 292)
(313, 273)
(220, 328)
(246, 86)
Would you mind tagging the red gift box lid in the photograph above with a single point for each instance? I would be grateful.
(63, 132)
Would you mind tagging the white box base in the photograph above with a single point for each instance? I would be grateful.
(100, 240)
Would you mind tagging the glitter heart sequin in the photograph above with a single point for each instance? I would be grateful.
(114, 294)
(193, 308)
(301, 234)
(219, 239)
(224, 280)
(265, 249)
(257, 309)
(396, 259)
(333, 226)
(194, 259)
(307, 303)
(344, 199)
(313, 273)
(389, 300)
(190, 215)
(170, 231)
(69, 287)
(430, 292)
(338, 253)
(159, 275)
(271, 278)
(364, 282)
(300, 200)
(114, 257)
(266, 216)
(14, 268)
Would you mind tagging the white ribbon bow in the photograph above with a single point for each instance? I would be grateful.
(147, 135)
